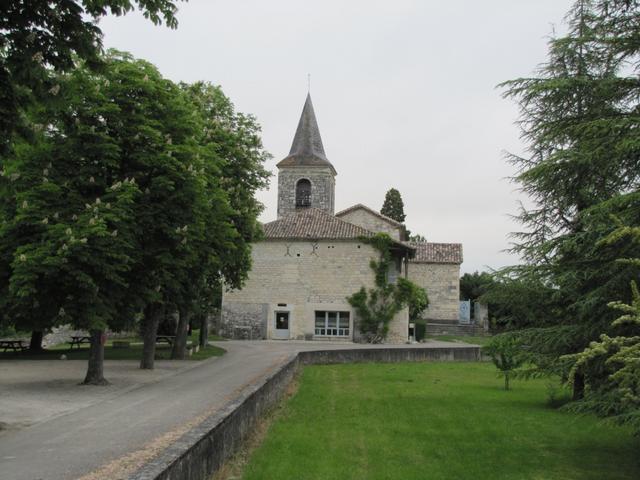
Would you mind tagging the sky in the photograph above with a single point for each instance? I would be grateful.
(405, 93)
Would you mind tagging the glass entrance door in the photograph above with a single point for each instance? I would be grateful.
(281, 330)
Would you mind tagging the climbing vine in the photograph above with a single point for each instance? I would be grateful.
(377, 306)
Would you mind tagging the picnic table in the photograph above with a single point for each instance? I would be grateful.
(13, 344)
(78, 340)
(165, 338)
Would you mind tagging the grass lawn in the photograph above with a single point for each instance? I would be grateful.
(434, 421)
(460, 338)
(133, 352)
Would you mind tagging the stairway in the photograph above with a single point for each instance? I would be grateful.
(443, 327)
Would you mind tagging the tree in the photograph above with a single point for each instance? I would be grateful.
(609, 366)
(39, 37)
(578, 117)
(393, 207)
(104, 207)
(68, 242)
(231, 140)
(474, 285)
(417, 238)
(506, 354)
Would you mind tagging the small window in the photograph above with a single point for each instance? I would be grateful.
(332, 324)
(303, 193)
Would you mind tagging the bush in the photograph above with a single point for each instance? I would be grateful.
(506, 354)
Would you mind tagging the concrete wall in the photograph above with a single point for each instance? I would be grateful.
(365, 219)
(323, 187)
(442, 283)
(301, 278)
(199, 453)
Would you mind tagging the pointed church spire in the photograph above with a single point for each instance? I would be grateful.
(307, 140)
(307, 148)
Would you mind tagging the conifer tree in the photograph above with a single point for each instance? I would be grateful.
(579, 117)
(610, 365)
(393, 207)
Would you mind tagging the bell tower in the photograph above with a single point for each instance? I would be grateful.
(306, 178)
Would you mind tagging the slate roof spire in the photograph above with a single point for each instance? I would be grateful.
(307, 148)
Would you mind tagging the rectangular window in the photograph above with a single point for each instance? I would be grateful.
(332, 324)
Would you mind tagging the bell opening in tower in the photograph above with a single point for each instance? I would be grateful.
(303, 193)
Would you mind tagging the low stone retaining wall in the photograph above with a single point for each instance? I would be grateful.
(199, 453)
(390, 355)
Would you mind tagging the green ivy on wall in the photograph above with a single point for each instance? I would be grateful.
(377, 306)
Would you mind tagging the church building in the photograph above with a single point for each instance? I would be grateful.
(311, 259)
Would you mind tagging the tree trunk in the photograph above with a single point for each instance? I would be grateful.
(95, 367)
(506, 380)
(35, 344)
(578, 386)
(204, 331)
(179, 350)
(149, 333)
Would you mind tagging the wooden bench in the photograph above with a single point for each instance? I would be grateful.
(78, 340)
(13, 344)
(165, 338)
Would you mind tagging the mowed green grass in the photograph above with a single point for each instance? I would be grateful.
(133, 352)
(476, 340)
(435, 421)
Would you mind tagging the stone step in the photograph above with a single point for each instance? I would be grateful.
(440, 321)
(453, 329)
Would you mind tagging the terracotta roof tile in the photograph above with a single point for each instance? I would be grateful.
(437, 252)
(313, 223)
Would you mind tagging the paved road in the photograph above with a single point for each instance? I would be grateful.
(142, 420)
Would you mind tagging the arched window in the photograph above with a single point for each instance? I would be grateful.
(303, 193)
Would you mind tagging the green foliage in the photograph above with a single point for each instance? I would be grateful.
(417, 238)
(511, 295)
(393, 207)
(135, 192)
(414, 296)
(474, 285)
(40, 37)
(610, 366)
(420, 331)
(377, 306)
(579, 116)
(506, 354)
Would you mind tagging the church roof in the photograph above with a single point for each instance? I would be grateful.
(437, 252)
(360, 206)
(315, 224)
(307, 149)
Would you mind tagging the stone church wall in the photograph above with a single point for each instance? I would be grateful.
(301, 278)
(371, 222)
(442, 283)
(322, 188)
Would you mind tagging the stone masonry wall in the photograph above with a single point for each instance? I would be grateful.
(371, 222)
(245, 321)
(322, 188)
(302, 277)
(442, 283)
